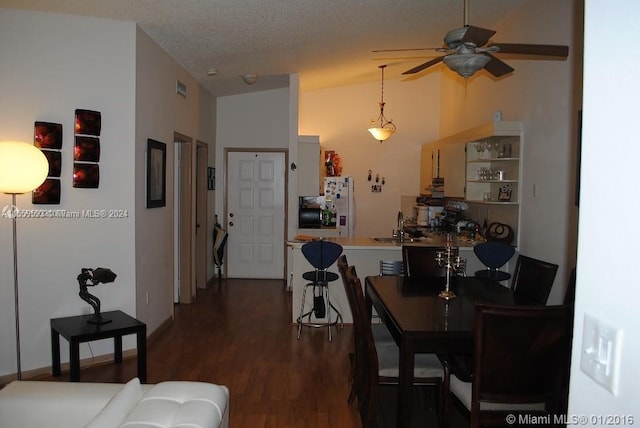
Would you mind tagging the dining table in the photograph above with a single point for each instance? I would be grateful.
(422, 322)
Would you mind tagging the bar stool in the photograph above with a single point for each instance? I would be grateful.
(321, 255)
(493, 255)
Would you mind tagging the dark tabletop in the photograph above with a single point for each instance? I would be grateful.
(77, 326)
(412, 307)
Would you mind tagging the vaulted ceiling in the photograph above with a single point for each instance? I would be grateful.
(327, 42)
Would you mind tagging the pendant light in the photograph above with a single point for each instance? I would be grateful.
(386, 128)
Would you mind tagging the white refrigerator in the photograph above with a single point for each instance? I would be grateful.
(339, 197)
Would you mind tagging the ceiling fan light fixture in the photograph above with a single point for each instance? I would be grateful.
(386, 127)
(466, 64)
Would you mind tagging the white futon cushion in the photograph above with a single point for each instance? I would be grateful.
(177, 404)
(119, 406)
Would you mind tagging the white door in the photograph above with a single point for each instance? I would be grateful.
(255, 214)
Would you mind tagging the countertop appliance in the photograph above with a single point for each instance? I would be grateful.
(427, 215)
(310, 212)
(339, 198)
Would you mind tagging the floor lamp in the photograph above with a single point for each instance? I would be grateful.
(23, 167)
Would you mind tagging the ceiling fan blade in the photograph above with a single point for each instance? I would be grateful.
(424, 66)
(405, 50)
(527, 49)
(497, 67)
(476, 35)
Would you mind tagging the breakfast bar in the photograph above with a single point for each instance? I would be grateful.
(365, 254)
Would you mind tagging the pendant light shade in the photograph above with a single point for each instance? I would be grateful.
(385, 128)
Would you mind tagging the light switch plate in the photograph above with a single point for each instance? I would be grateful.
(600, 356)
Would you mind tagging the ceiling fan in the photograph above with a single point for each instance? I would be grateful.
(467, 53)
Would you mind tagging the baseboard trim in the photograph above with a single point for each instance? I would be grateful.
(94, 361)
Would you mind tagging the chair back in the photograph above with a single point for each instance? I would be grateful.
(391, 267)
(521, 355)
(366, 356)
(570, 292)
(366, 353)
(420, 261)
(532, 280)
(494, 254)
(321, 254)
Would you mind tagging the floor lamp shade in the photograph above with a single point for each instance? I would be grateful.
(23, 167)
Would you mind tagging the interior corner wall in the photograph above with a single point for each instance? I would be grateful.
(341, 116)
(541, 95)
(51, 65)
(160, 112)
(207, 134)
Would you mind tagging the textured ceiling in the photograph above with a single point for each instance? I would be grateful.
(327, 42)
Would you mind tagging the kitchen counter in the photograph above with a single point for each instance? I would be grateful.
(431, 240)
(365, 254)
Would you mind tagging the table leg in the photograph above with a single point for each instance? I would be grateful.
(117, 349)
(74, 355)
(55, 353)
(405, 384)
(141, 338)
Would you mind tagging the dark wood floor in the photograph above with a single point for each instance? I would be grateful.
(239, 333)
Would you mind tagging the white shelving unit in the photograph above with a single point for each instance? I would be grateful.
(463, 178)
(478, 186)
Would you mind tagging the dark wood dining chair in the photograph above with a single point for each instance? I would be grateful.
(420, 261)
(520, 365)
(377, 363)
(532, 280)
(380, 332)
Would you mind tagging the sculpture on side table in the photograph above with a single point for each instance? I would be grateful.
(89, 278)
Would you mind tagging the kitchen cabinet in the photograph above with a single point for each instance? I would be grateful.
(493, 164)
(443, 159)
(309, 165)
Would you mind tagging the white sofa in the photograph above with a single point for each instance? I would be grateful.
(34, 404)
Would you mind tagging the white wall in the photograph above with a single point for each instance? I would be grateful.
(263, 120)
(52, 65)
(607, 274)
(541, 95)
(341, 116)
(160, 112)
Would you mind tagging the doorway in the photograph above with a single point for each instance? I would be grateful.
(255, 213)
(190, 219)
(201, 201)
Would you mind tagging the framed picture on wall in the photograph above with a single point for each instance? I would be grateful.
(156, 174)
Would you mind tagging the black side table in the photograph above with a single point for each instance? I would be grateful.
(77, 330)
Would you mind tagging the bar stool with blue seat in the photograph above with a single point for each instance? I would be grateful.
(494, 255)
(321, 255)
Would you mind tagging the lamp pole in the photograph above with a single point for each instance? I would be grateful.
(15, 284)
